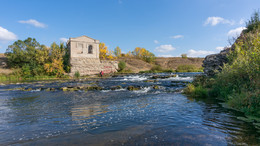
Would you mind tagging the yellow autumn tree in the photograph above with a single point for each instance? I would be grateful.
(143, 54)
(55, 66)
(104, 53)
(129, 54)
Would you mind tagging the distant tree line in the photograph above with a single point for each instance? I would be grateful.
(138, 52)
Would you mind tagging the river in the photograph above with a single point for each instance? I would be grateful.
(149, 116)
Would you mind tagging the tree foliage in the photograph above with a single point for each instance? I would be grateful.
(34, 59)
(254, 23)
(117, 52)
(104, 53)
(184, 56)
(143, 54)
(55, 65)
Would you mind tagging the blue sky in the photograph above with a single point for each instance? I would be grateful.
(164, 27)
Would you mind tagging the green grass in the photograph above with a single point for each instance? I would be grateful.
(15, 78)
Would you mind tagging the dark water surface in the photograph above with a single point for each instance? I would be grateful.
(148, 116)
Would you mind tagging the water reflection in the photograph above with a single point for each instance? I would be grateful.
(88, 111)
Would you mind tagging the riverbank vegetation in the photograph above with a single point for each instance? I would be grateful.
(238, 84)
(29, 58)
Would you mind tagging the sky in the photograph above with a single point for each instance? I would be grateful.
(167, 28)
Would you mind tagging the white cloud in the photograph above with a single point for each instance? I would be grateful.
(235, 32)
(177, 36)
(6, 35)
(164, 48)
(213, 21)
(242, 21)
(33, 22)
(64, 40)
(156, 42)
(199, 53)
(165, 56)
(219, 48)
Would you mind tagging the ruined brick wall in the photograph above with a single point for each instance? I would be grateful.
(89, 66)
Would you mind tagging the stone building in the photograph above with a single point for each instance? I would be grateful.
(84, 57)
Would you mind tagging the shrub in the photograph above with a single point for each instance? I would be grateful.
(184, 56)
(156, 68)
(186, 68)
(197, 92)
(121, 65)
(77, 74)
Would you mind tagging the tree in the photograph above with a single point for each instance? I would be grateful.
(117, 52)
(184, 56)
(28, 55)
(143, 54)
(55, 66)
(254, 23)
(103, 51)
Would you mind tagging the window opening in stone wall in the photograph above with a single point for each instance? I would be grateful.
(90, 49)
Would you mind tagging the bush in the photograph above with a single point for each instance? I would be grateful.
(121, 65)
(77, 74)
(197, 92)
(187, 68)
(156, 68)
(184, 56)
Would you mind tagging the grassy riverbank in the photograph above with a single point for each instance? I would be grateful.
(239, 82)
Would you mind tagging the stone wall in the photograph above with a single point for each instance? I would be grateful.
(89, 66)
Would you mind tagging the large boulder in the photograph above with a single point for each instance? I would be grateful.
(213, 63)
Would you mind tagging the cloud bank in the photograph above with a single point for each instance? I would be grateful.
(6, 35)
(164, 48)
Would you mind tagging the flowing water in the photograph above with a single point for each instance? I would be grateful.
(160, 116)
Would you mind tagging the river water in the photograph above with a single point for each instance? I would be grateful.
(147, 116)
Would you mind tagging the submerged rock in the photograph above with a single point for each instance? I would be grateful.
(50, 89)
(132, 88)
(163, 76)
(149, 80)
(27, 89)
(116, 87)
(156, 87)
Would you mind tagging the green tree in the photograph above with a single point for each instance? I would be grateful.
(27, 53)
(184, 56)
(117, 52)
(254, 23)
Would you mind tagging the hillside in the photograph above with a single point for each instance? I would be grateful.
(137, 65)
(174, 62)
(133, 64)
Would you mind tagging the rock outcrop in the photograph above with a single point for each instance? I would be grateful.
(213, 63)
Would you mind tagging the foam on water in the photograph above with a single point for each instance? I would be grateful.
(143, 90)
(134, 78)
(177, 78)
